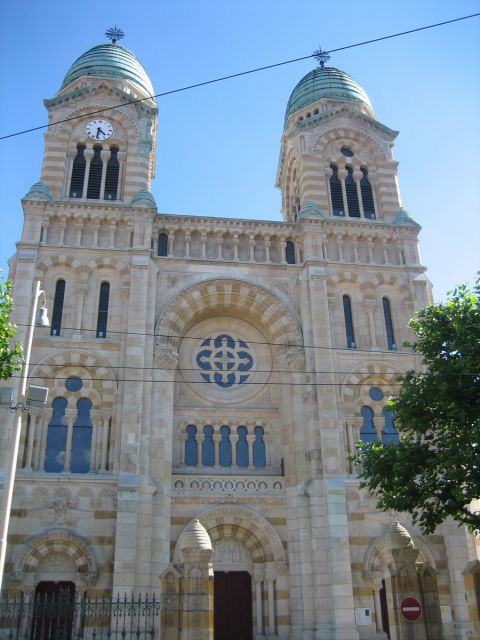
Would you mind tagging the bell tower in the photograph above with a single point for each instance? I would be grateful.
(336, 157)
(100, 143)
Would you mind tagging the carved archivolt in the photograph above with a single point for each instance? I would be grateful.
(245, 528)
(265, 310)
(55, 542)
(375, 561)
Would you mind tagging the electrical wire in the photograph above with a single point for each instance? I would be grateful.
(258, 342)
(239, 74)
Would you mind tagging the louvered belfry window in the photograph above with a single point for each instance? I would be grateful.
(111, 178)
(387, 314)
(352, 194)
(367, 196)
(95, 174)
(78, 173)
(336, 192)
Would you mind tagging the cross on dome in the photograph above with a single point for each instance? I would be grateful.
(114, 34)
(321, 56)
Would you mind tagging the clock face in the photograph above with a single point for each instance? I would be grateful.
(99, 129)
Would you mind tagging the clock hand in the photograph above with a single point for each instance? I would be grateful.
(99, 131)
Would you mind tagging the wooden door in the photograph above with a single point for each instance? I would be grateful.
(384, 606)
(53, 612)
(232, 605)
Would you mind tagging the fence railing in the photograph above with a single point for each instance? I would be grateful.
(64, 618)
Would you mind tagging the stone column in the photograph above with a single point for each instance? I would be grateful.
(357, 176)
(270, 575)
(401, 557)
(342, 174)
(196, 606)
(258, 576)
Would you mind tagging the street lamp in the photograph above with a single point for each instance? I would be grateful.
(25, 399)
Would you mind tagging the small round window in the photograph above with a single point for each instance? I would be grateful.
(348, 153)
(375, 393)
(73, 383)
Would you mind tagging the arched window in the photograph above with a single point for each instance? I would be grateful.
(82, 438)
(57, 308)
(78, 173)
(352, 194)
(111, 176)
(367, 430)
(347, 313)
(338, 208)
(103, 310)
(290, 252)
(191, 449)
(225, 447)
(95, 174)
(259, 459)
(56, 437)
(367, 196)
(208, 454)
(387, 314)
(162, 245)
(242, 447)
(389, 431)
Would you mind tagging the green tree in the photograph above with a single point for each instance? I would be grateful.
(434, 472)
(11, 358)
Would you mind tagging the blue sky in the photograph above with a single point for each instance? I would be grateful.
(218, 145)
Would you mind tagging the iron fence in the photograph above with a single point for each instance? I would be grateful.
(64, 618)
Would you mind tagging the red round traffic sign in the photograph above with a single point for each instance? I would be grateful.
(411, 609)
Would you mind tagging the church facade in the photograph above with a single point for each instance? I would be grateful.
(209, 377)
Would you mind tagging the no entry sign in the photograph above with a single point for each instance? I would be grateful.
(411, 609)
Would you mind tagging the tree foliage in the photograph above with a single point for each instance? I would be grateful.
(434, 472)
(10, 352)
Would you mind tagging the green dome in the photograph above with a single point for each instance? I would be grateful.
(109, 61)
(325, 82)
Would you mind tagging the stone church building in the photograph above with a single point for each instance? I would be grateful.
(208, 378)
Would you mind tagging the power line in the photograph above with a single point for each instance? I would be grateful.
(287, 345)
(182, 369)
(243, 384)
(240, 74)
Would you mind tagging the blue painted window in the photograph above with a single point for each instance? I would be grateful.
(78, 173)
(367, 430)
(162, 245)
(225, 447)
(290, 252)
(347, 313)
(95, 174)
(73, 383)
(102, 317)
(352, 194)
(111, 176)
(242, 447)
(82, 438)
(208, 453)
(376, 393)
(57, 313)
(389, 431)
(259, 459)
(338, 208)
(56, 437)
(191, 448)
(367, 196)
(387, 314)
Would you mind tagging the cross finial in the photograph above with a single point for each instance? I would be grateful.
(114, 34)
(321, 56)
